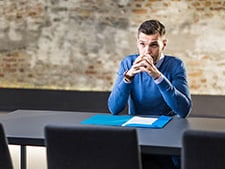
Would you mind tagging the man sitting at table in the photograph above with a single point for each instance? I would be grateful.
(152, 84)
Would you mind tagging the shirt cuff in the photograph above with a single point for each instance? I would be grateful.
(160, 79)
(124, 80)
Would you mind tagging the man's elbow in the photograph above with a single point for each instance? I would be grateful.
(186, 112)
(112, 109)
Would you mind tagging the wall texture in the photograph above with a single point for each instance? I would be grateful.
(78, 44)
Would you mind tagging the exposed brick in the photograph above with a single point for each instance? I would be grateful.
(140, 11)
(90, 72)
(208, 3)
(60, 41)
(195, 74)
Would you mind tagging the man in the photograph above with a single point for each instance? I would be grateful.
(150, 82)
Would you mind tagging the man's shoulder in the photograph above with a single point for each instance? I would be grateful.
(177, 63)
(130, 58)
(175, 59)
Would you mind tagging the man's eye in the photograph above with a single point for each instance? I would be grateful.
(154, 45)
(142, 44)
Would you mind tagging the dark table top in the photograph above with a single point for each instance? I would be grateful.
(26, 127)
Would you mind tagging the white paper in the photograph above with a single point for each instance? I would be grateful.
(140, 120)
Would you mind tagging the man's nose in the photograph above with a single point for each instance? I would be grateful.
(147, 50)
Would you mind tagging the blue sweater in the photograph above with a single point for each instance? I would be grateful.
(144, 97)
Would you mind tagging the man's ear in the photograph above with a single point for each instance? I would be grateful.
(165, 41)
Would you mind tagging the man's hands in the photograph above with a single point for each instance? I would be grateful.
(144, 64)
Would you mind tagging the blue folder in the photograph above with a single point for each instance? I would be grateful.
(119, 120)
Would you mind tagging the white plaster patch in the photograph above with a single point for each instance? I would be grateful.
(13, 34)
(52, 46)
(211, 37)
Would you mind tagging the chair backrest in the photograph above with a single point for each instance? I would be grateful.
(92, 147)
(203, 150)
(5, 157)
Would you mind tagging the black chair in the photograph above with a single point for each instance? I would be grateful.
(203, 150)
(5, 157)
(92, 147)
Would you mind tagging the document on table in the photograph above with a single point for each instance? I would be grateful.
(140, 120)
(128, 120)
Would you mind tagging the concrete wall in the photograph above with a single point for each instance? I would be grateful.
(78, 44)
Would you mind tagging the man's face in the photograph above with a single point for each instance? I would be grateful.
(152, 45)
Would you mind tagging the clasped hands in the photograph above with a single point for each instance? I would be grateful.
(144, 63)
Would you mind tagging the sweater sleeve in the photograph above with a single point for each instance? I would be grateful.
(176, 92)
(120, 93)
(118, 97)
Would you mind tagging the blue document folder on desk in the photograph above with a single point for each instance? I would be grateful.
(120, 120)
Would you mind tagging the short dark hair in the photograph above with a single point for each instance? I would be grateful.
(151, 27)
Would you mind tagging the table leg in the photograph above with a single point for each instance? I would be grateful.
(23, 157)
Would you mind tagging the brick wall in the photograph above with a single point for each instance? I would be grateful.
(78, 44)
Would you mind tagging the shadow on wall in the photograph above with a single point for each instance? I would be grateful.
(90, 101)
(208, 106)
